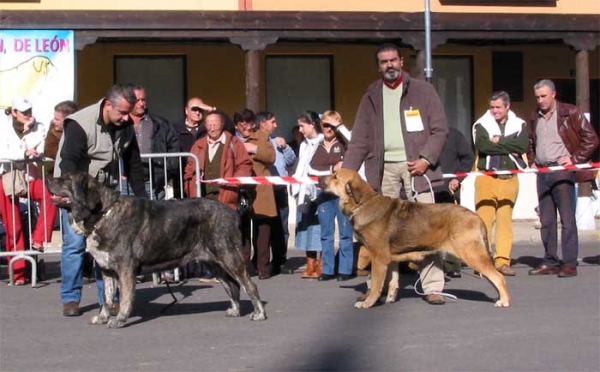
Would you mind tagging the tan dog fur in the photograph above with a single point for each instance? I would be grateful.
(393, 230)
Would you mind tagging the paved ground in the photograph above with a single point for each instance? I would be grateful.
(553, 325)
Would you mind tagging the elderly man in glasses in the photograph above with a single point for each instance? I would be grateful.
(191, 127)
(188, 128)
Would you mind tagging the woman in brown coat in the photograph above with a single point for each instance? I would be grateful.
(262, 152)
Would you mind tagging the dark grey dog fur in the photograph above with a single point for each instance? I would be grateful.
(127, 234)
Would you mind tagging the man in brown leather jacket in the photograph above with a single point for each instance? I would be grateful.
(559, 134)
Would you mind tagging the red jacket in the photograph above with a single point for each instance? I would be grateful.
(234, 163)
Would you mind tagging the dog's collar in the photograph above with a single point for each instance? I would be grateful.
(106, 214)
(351, 217)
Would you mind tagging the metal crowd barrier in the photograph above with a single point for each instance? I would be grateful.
(29, 254)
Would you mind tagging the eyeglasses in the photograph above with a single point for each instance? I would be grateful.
(196, 108)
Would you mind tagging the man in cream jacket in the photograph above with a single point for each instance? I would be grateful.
(500, 138)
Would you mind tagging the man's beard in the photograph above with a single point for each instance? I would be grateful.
(391, 74)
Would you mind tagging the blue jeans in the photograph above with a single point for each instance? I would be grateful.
(71, 265)
(329, 210)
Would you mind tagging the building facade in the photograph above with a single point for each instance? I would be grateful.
(290, 55)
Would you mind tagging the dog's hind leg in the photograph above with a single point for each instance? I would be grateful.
(110, 289)
(232, 288)
(127, 287)
(250, 288)
(476, 256)
(235, 267)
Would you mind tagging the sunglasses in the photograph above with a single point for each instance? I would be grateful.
(196, 108)
(328, 125)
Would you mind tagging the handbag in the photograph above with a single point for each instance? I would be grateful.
(246, 197)
(246, 194)
(14, 183)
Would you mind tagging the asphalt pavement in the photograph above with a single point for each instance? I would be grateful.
(552, 325)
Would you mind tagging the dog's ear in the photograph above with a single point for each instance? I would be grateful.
(93, 192)
(85, 196)
(353, 191)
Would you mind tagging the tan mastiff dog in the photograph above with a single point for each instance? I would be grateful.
(393, 230)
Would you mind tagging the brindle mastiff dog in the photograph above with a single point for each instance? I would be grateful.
(127, 234)
(394, 231)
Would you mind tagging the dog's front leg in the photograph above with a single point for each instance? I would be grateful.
(110, 288)
(127, 286)
(393, 278)
(378, 273)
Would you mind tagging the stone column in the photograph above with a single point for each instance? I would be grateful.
(583, 45)
(582, 80)
(252, 45)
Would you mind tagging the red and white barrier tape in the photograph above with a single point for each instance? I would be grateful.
(291, 180)
(573, 168)
(271, 180)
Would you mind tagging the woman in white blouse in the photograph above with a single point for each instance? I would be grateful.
(23, 139)
(308, 230)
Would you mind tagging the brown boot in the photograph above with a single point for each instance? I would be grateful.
(310, 268)
(318, 267)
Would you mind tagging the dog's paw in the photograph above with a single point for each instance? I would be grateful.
(98, 319)
(360, 305)
(232, 312)
(258, 316)
(115, 323)
(390, 299)
(502, 303)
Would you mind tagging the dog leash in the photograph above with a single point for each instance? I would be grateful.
(414, 199)
(444, 294)
(413, 192)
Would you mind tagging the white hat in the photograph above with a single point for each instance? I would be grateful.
(21, 104)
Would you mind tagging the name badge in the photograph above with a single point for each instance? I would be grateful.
(413, 121)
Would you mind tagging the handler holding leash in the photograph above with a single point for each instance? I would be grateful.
(94, 139)
(399, 132)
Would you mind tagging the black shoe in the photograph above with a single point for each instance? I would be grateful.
(344, 277)
(454, 274)
(251, 269)
(285, 269)
(325, 277)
